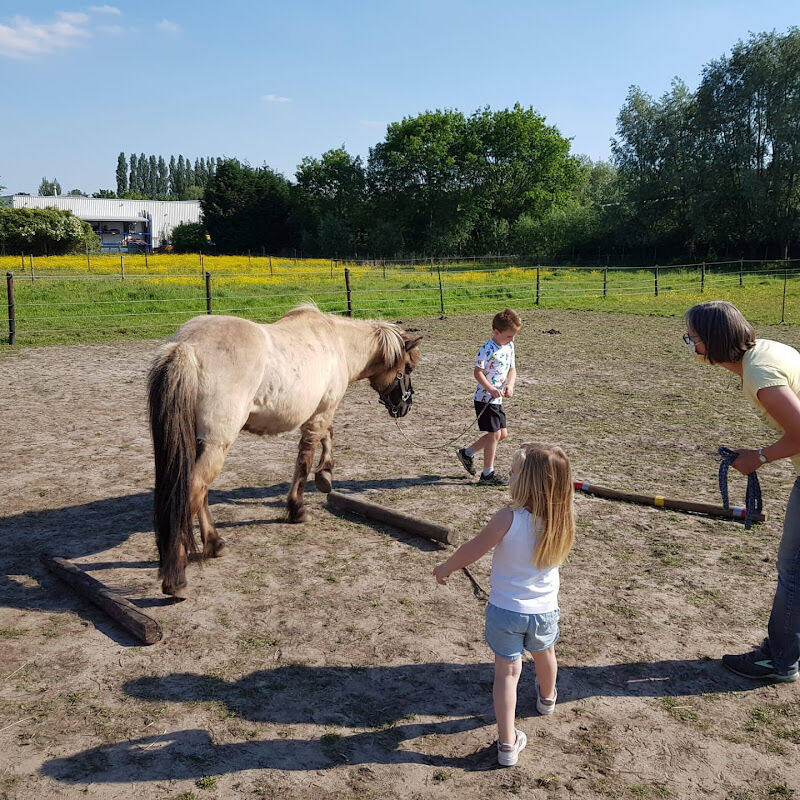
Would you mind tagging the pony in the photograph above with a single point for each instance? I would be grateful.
(219, 375)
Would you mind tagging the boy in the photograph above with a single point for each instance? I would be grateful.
(496, 373)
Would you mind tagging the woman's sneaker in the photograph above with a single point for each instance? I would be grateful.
(466, 461)
(757, 664)
(545, 705)
(508, 754)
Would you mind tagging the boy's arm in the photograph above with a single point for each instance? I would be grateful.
(471, 551)
(510, 381)
(484, 381)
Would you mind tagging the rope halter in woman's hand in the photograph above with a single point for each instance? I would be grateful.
(753, 503)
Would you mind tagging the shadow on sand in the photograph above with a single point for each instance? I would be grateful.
(380, 703)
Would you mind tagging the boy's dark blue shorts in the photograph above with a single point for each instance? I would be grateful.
(492, 418)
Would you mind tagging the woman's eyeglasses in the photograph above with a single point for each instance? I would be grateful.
(689, 339)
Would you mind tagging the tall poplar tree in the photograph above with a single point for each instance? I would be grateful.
(122, 174)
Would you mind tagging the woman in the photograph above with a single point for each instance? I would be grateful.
(717, 333)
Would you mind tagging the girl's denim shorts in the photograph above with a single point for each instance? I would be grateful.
(509, 633)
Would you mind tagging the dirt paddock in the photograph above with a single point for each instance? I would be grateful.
(322, 660)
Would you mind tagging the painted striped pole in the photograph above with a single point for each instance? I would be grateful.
(735, 512)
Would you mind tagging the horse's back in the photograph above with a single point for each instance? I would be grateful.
(232, 355)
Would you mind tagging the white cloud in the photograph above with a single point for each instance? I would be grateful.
(168, 27)
(23, 38)
(105, 10)
(275, 98)
(112, 30)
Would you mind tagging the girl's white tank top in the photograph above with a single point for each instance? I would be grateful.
(518, 585)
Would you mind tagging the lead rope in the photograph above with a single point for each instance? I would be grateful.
(448, 443)
(753, 503)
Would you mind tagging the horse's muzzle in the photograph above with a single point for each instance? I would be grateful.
(398, 396)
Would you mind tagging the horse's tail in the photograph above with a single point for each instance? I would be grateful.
(172, 399)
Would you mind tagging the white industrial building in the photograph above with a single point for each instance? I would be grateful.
(120, 224)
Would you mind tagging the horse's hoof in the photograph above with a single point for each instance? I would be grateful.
(214, 549)
(298, 516)
(178, 592)
(322, 480)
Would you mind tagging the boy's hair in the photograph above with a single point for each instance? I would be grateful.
(506, 320)
(723, 329)
(543, 485)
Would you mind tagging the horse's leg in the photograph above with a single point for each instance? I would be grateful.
(324, 468)
(310, 433)
(206, 468)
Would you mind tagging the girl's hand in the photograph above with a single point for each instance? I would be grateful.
(441, 573)
(747, 462)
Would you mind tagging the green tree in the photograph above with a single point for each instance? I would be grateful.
(246, 208)
(162, 178)
(173, 179)
(44, 230)
(122, 174)
(49, 188)
(191, 237)
(133, 175)
(152, 177)
(330, 196)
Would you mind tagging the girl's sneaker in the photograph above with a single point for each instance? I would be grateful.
(508, 754)
(545, 705)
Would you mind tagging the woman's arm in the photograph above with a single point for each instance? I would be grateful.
(472, 550)
(783, 405)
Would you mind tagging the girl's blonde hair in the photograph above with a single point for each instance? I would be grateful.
(543, 485)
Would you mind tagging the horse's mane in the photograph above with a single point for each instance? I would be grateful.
(388, 336)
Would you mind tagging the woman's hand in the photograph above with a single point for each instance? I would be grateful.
(747, 461)
(441, 573)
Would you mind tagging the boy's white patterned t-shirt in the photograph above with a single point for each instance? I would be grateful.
(496, 362)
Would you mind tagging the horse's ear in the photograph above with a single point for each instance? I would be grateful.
(411, 342)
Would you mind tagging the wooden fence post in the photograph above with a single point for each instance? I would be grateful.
(88, 262)
(31, 267)
(783, 307)
(702, 277)
(208, 292)
(441, 293)
(537, 286)
(122, 267)
(12, 319)
(605, 282)
(741, 265)
(347, 286)
(655, 279)
(22, 256)
(270, 266)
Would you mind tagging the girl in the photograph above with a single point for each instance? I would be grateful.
(717, 333)
(530, 539)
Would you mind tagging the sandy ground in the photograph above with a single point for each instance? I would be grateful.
(322, 660)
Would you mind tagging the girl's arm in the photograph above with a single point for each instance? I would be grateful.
(472, 550)
(783, 405)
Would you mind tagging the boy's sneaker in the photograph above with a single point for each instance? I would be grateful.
(508, 754)
(545, 705)
(466, 461)
(492, 479)
(758, 665)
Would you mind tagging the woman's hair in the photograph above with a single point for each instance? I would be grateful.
(723, 329)
(543, 485)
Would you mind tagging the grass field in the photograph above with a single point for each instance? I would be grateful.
(73, 298)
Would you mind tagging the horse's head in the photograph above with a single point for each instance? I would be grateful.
(394, 384)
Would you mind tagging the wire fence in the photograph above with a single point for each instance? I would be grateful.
(63, 301)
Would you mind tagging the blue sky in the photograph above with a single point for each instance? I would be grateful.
(271, 82)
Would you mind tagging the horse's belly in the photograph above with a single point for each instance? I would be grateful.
(278, 416)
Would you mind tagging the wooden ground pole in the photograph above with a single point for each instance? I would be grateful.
(135, 621)
(734, 512)
(355, 505)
